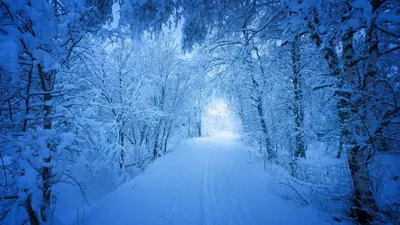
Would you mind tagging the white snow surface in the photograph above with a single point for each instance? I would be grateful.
(207, 181)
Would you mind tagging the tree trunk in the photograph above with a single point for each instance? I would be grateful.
(122, 144)
(260, 108)
(364, 204)
(120, 121)
(162, 140)
(143, 132)
(348, 52)
(47, 83)
(300, 150)
(167, 138)
(198, 125)
(340, 146)
(263, 124)
(157, 136)
(33, 218)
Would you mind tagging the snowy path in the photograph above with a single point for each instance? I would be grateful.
(207, 181)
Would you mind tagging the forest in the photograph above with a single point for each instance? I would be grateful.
(103, 90)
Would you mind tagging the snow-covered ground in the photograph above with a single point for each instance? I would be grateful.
(203, 181)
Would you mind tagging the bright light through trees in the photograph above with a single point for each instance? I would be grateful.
(218, 118)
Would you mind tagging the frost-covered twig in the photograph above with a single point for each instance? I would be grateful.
(294, 189)
(80, 187)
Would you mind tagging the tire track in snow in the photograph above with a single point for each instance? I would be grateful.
(237, 199)
(237, 212)
(222, 191)
(212, 187)
(204, 200)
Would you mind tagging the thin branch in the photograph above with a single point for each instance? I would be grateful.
(72, 47)
(301, 196)
(265, 25)
(80, 187)
(388, 32)
(322, 86)
(4, 170)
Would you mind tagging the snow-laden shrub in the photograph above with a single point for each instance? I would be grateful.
(385, 175)
(320, 180)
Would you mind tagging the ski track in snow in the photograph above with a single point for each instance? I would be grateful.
(205, 181)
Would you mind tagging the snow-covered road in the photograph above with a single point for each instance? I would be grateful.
(206, 181)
